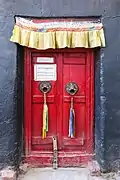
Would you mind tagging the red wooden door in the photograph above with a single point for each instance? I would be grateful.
(71, 66)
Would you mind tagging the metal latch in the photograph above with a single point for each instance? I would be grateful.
(55, 153)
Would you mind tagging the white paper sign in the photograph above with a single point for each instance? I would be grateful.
(45, 72)
(45, 59)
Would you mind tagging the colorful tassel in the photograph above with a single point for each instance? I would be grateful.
(45, 118)
(72, 121)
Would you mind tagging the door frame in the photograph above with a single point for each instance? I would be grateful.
(36, 158)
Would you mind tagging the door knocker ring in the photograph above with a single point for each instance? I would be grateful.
(45, 86)
(72, 88)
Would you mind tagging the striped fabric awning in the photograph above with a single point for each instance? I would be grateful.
(45, 34)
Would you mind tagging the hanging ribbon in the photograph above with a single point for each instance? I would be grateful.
(72, 120)
(45, 118)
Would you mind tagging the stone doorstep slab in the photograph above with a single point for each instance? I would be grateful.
(9, 174)
(59, 174)
(93, 171)
(65, 174)
(79, 173)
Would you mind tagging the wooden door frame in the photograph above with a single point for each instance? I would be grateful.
(31, 156)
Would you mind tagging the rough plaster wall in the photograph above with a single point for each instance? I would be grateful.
(108, 65)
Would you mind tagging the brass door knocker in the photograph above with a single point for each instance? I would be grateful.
(72, 88)
(45, 86)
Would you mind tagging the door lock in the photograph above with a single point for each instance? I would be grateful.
(45, 86)
(72, 88)
(55, 153)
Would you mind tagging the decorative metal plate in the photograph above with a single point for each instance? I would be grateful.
(45, 86)
(72, 88)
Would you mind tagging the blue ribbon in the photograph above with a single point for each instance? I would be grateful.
(71, 123)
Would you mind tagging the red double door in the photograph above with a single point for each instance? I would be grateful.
(63, 66)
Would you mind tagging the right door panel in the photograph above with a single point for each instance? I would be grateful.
(74, 70)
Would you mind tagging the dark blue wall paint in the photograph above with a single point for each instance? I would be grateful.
(107, 113)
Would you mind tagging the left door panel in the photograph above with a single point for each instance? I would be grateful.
(38, 143)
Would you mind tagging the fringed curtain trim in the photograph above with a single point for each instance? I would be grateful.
(58, 34)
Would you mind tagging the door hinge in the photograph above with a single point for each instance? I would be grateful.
(55, 153)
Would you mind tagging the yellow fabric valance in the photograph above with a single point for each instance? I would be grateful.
(58, 34)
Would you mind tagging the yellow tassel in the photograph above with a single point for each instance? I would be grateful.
(45, 117)
(44, 134)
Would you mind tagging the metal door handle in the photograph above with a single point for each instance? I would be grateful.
(45, 86)
(72, 88)
(55, 149)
